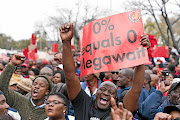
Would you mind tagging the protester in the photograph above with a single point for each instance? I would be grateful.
(3, 105)
(114, 76)
(58, 77)
(6, 110)
(28, 108)
(153, 104)
(84, 106)
(154, 80)
(56, 106)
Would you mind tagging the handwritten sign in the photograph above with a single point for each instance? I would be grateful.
(112, 43)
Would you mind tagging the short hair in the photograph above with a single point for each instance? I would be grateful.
(1, 93)
(35, 70)
(147, 77)
(129, 72)
(66, 102)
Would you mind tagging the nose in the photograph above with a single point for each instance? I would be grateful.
(106, 93)
(7, 106)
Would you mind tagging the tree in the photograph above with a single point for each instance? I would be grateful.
(80, 15)
(157, 8)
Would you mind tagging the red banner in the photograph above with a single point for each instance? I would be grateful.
(55, 47)
(33, 40)
(25, 52)
(112, 43)
(161, 51)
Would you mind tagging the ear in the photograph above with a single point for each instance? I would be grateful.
(64, 109)
(47, 92)
(129, 79)
(169, 97)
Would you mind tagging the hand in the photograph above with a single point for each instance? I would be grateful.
(162, 116)
(66, 32)
(163, 88)
(145, 41)
(17, 59)
(119, 113)
(58, 58)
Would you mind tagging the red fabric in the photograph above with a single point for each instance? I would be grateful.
(107, 80)
(153, 41)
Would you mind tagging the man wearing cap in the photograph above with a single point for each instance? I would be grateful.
(29, 108)
(169, 113)
(25, 68)
(154, 103)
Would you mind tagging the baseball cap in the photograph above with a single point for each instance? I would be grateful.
(169, 109)
(24, 64)
(174, 85)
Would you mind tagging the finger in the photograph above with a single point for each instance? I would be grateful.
(113, 104)
(169, 117)
(121, 106)
(124, 114)
(129, 115)
(71, 27)
(113, 116)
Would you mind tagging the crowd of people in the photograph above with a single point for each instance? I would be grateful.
(39, 90)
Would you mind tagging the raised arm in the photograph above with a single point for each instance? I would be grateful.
(5, 78)
(131, 99)
(72, 82)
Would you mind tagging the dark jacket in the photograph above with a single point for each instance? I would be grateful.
(152, 105)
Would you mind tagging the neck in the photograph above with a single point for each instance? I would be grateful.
(59, 118)
(38, 102)
(147, 87)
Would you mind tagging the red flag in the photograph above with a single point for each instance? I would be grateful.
(161, 51)
(55, 47)
(25, 52)
(112, 43)
(33, 40)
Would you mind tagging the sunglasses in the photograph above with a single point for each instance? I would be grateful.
(114, 72)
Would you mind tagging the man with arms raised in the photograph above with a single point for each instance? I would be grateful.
(29, 108)
(84, 106)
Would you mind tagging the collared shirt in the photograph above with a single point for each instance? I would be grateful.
(37, 106)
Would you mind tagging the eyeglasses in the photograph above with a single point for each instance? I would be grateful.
(48, 74)
(114, 72)
(55, 102)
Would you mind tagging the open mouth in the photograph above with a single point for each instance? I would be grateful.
(35, 93)
(103, 101)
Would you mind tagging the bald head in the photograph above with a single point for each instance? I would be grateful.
(47, 72)
(128, 72)
(148, 72)
(154, 80)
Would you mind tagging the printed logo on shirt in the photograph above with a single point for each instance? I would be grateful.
(94, 118)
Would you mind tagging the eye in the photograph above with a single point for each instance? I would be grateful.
(56, 102)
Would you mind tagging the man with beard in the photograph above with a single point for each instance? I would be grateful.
(28, 108)
(84, 106)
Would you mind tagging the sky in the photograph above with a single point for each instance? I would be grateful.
(19, 17)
